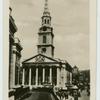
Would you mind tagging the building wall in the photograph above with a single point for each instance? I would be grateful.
(60, 76)
(66, 77)
(12, 30)
(48, 38)
(14, 53)
(84, 76)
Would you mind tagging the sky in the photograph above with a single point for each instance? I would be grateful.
(70, 20)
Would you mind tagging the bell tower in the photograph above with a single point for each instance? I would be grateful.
(45, 34)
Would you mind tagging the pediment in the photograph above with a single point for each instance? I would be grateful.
(40, 58)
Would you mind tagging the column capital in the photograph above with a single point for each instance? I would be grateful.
(58, 67)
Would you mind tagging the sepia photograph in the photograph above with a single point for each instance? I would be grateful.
(49, 50)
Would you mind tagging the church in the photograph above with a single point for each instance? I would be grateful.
(43, 68)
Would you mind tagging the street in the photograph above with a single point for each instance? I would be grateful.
(49, 95)
(40, 95)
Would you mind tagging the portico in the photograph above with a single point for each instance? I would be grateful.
(39, 75)
(49, 71)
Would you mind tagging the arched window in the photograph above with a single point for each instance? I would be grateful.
(45, 21)
(48, 21)
(44, 39)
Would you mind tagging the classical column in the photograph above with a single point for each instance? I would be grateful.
(43, 75)
(36, 76)
(30, 76)
(58, 75)
(70, 78)
(64, 76)
(50, 74)
(12, 67)
(23, 79)
(18, 77)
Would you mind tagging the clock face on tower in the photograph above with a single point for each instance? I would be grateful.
(44, 28)
(43, 50)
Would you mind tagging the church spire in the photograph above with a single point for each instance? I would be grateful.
(46, 18)
(46, 9)
(46, 6)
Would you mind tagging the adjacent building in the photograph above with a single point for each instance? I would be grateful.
(80, 78)
(43, 68)
(84, 76)
(75, 75)
(14, 53)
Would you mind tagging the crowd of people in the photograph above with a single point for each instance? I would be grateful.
(72, 94)
(64, 95)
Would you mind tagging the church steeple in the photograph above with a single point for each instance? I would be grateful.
(45, 34)
(46, 18)
(46, 6)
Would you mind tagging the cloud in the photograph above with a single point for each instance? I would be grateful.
(70, 20)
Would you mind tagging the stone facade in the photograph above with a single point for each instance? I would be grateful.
(46, 71)
(14, 60)
(14, 54)
(53, 72)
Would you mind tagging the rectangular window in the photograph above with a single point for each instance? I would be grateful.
(44, 39)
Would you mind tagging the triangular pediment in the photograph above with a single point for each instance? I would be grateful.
(40, 58)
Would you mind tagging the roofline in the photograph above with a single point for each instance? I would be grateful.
(41, 55)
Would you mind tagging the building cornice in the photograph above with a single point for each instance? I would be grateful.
(46, 45)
